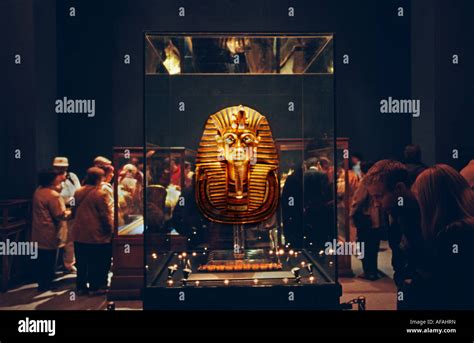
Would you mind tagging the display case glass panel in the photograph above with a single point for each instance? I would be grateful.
(240, 195)
(128, 191)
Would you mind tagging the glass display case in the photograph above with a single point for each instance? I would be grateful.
(128, 191)
(128, 242)
(240, 208)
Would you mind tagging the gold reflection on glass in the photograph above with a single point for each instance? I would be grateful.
(239, 54)
(173, 60)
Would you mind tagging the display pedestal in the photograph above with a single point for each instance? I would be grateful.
(301, 283)
(128, 274)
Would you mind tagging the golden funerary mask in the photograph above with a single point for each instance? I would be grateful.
(236, 167)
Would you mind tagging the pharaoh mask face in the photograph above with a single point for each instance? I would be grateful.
(236, 180)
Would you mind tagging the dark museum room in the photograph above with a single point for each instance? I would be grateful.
(237, 156)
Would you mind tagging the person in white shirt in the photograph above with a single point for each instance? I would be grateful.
(69, 186)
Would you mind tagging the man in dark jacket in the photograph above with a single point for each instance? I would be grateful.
(388, 184)
(368, 219)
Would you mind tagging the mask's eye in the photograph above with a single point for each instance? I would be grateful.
(247, 140)
(229, 140)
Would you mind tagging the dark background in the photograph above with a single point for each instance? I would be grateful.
(82, 57)
(203, 95)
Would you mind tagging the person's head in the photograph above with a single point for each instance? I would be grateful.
(135, 161)
(100, 161)
(187, 166)
(49, 178)
(356, 158)
(94, 176)
(325, 163)
(386, 181)
(444, 197)
(129, 170)
(412, 153)
(312, 163)
(175, 163)
(61, 165)
(108, 171)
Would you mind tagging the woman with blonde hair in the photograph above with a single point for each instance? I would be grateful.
(447, 221)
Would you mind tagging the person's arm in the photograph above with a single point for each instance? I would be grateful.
(105, 214)
(75, 181)
(398, 256)
(359, 202)
(57, 210)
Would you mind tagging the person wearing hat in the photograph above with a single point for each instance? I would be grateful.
(48, 217)
(92, 234)
(70, 183)
(101, 161)
(106, 165)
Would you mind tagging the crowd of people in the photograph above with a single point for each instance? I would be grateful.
(72, 222)
(428, 214)
(425, 213)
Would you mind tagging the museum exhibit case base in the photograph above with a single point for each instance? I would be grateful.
(127, 269)
(128, 241)
(261, 280)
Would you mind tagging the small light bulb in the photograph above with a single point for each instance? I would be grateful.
(226, 282)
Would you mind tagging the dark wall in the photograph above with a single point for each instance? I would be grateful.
(28, 90)
(441, 29)
(423, 52)
(82, 57)
(454, 83)
(203, 95)
(91, 49)
(85, 59)
(379, 57)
